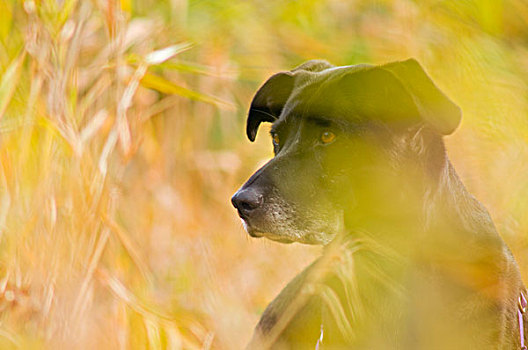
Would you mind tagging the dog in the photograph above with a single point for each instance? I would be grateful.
(411, 260)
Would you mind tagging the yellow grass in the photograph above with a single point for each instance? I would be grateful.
(122, 140)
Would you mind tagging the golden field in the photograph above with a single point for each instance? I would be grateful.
(122, 140)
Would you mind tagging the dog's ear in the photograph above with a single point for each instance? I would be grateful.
(270, 99)
(433, 106)
(399, 92)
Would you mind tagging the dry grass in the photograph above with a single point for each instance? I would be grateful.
(121, 141)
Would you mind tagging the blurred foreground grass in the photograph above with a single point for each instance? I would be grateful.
(121, 142)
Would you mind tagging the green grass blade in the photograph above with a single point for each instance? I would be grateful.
(165, 86)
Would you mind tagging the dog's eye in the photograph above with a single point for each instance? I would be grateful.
(276, 139)
(327, 136)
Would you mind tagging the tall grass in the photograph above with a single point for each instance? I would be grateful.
(72, 123)
(121, 141)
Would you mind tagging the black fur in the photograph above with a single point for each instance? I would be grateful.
(412, 260)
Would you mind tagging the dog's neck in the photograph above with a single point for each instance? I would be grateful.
(442, 243)
(428, 206)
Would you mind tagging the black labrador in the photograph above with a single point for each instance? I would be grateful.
(411, 259)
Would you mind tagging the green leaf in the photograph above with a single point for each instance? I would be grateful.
(165, 86)
(189, 67)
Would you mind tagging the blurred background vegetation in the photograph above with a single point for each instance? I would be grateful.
(122, 140)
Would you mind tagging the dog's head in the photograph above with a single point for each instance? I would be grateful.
(339, 135)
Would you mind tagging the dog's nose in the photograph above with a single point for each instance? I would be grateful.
(246, 200)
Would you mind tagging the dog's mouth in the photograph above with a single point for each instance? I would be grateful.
(276, 238)
(256, 233)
